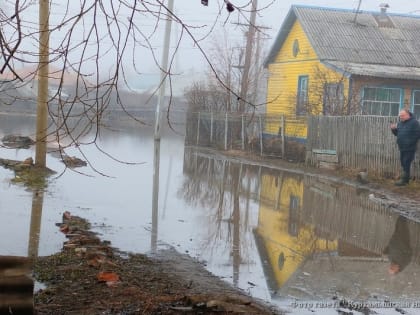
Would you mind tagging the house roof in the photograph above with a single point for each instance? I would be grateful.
(374, 70)
(350, 40)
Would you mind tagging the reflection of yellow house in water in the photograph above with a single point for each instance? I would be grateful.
(283, 241)
(318, 238)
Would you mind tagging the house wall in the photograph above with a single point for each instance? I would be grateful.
(283, 79)
(408, 87)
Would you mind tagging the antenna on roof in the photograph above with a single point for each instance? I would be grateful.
(357, 11)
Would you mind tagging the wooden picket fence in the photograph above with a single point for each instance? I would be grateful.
(245, 132)
(363, 143)
(357, 143)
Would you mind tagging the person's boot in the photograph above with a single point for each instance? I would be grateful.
(403, 180)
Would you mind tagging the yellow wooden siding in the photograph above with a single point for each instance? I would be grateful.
(306, 51)
(273, 227)
(283, 83)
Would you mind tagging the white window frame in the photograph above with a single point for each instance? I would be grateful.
(381, 107)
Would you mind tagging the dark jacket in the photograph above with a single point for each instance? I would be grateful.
(407, 132)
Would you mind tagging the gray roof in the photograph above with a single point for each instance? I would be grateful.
(339, 35)
(374, 70)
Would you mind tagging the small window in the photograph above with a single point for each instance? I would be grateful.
(333, 99)
(302, 95)
(416, 104)
(295, 49)
(381, 101)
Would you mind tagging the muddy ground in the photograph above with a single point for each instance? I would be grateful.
(90, 277)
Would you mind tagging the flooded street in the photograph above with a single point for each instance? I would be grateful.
(297, 240)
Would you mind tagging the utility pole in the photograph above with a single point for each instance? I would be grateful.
(248, 56)
(164, 71)
(257, 65)
(43, 69)
(156, 155)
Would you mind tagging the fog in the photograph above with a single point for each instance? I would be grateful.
(195, 31)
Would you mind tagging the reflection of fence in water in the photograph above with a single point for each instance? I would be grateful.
(341, 212)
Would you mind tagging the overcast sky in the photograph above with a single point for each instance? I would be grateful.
(273, 16)
(192, 12)
(208, 24)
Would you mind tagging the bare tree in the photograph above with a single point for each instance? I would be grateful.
(329, 90)
(83, 35)
(222, 92)
(327, 94)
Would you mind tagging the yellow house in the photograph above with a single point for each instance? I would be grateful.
(341, 62)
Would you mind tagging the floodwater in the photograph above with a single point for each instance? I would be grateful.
(297, 240)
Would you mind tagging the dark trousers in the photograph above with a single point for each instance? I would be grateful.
(406, 157)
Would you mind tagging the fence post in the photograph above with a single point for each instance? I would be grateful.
(240, 177)
(211, 127)
(198, 128)
(226, 130)
(283, 125)
(261, 136)
(243, 133)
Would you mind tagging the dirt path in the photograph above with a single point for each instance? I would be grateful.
(90, 277)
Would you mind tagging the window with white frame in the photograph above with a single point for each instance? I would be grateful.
(302, 95)
(381, 101)
(416, 103)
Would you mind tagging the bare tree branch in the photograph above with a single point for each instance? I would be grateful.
(85, 34)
